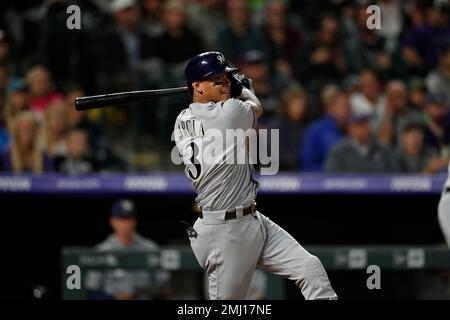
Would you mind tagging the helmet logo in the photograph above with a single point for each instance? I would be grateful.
(221, 58)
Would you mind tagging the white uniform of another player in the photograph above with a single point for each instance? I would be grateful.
(232, 237)
(444, 209)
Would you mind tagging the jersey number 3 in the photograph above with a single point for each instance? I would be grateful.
(194, 169)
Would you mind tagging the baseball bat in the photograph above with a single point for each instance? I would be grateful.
(111, 99)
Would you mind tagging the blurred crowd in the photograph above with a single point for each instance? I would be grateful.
(345, 98)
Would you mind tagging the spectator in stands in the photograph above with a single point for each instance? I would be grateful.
(415, 13)
(58, 47)
(119, 284)
(54, 130)
(413, 156)
(4, 139)
(41, 90)
(24, 154)
(122, 48)
(397, 113)
(238, 35)
(291, 122)
(178, 43)
(254, 65)
(321, 61)
(4, 78)
(151, 11)
(309, 12)
(282, 40)
(437, 118)
(324, 133)
(16, 101)
(6, 56)
(391, 24)
(417, 96)
(438, 81)
(77, 158)
(370, 99)
(79, 119)
(99, 145)
(206, 15)
(359, 152)
(424, 44)
(364, 48)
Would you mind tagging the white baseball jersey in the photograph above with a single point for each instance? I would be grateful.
(220, 180)
(444, 210)
(447, 183)
(230, 249)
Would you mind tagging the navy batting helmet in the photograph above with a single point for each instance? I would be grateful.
(206, 65)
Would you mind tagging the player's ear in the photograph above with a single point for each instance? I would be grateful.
(197, 86)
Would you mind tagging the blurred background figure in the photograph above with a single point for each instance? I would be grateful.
(4, 138)
(413, 155)
(364, 47)
(327, 131)
(77, 158)
(178, 42)
(41, 90)
(118, 284)
(321, 60)
(254, 64)
(397, 113)
(238, 35)
(151, 17)
(54, 129)
(24, 154)
(370, 99)
(16, 101)
(424, 43)
(359, 152)
(437, 119)
(123, 45)
(4, 77)
(438, 80)
(99, 145)
(206, 15)
(391, 24)
(417, 94)
(291, 122)
(282, 40)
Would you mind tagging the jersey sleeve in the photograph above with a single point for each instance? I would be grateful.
(239, 113)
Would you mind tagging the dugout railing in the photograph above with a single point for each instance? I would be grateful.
(334, 258)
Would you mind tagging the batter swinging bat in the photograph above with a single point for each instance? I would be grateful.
(104, 100)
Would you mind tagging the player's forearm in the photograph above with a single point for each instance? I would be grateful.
(250, 98)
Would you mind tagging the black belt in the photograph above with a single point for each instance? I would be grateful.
(231, 214)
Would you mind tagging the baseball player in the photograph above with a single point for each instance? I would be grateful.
(231, 238)
(444, 209)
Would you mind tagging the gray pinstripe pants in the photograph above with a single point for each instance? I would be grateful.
(230, 250)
